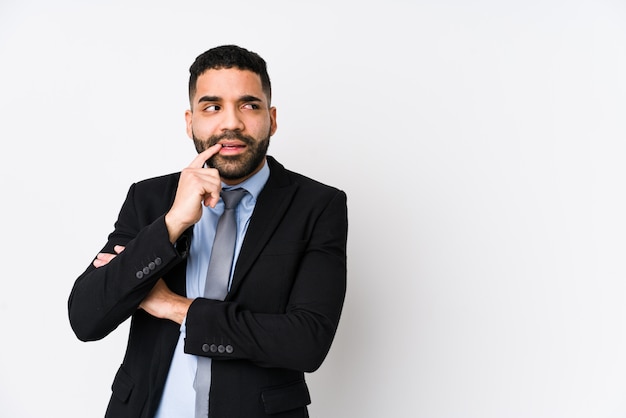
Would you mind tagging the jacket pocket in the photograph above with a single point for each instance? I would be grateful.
(286, 397)
(122, 386)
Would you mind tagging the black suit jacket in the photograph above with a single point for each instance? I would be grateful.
(277, 322)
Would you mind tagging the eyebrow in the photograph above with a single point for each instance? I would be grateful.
(208, 99)
(245, 98)
(249, 98)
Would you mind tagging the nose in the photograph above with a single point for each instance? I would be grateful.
(232, 120)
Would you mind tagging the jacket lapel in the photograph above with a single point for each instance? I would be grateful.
(268, 213)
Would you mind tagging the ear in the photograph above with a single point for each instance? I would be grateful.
(273, 124)
(188, 120)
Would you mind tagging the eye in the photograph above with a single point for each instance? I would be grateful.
(211, 108)
(251, 106)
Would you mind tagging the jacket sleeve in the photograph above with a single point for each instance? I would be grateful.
(102, 298)
(298, 338)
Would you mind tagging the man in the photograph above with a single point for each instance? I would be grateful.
(285, 290)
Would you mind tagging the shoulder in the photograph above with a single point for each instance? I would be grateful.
(281, 176)
(156, 192)
(163, 182)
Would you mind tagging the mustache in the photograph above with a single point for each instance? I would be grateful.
(214, 139)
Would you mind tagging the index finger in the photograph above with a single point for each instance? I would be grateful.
(201, 158)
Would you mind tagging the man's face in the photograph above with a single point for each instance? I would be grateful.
(229, 107)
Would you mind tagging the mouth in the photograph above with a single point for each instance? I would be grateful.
(231, 147)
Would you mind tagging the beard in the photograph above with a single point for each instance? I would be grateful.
(233, 167)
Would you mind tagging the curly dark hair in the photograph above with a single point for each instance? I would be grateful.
(229, 56)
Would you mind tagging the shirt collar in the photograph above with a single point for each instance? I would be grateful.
(254, 184)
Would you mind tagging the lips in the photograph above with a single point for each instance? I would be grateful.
(227, 146)
(231, 147)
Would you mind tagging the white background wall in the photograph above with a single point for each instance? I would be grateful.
(481, 145)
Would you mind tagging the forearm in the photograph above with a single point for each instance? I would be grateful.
(289, 307)
(296, 337)
(162, 303)
(104, 297)
(297, 340)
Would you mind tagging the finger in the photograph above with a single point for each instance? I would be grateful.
(103, 259)
(98, 263)
(118, 248)
(212, 200)
(201, 158)
(106, 257)
(212, 191)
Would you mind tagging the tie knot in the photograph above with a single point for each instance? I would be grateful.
(232, 197)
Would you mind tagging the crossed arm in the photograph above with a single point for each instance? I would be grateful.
(197, 184)
(296, 335)
(161, 302)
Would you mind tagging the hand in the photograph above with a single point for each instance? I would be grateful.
(162, 303)
(102, 259)
(197, 185)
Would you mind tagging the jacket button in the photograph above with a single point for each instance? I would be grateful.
(213, 348)
(152, 265)
(146, 270)
(157, 261)
(139, 274)
(229, 349)
(205, 348)
(221, 349)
